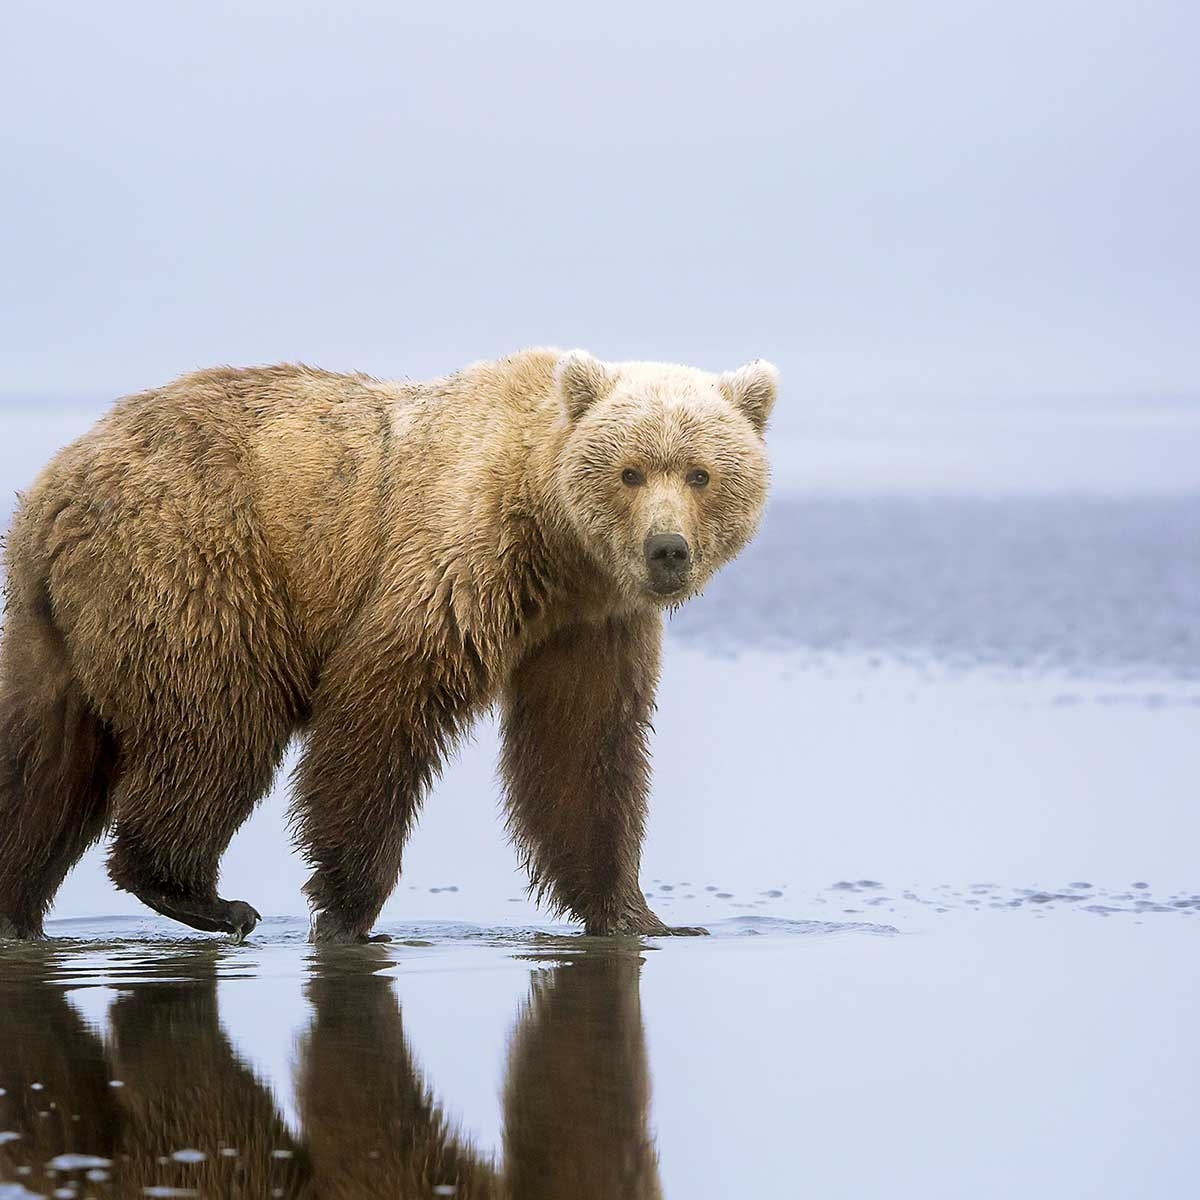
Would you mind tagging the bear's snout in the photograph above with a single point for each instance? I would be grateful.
(668, 561)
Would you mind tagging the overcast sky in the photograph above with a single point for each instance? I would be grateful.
(940, 199)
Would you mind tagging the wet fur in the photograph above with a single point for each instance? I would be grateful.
(245, 555)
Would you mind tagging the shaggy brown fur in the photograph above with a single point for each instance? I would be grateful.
(243, 555)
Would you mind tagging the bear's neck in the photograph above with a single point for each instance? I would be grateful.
(557, 561)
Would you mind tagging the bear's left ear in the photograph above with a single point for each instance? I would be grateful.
(581, 380)
(752, 390)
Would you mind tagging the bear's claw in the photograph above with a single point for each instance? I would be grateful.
(641, 923)
(242, 918)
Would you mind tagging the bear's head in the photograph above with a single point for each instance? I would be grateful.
(663, 471)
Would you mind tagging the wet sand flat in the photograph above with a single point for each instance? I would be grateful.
(1029, 1050)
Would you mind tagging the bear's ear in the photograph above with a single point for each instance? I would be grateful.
(581, 381)
(752, 390)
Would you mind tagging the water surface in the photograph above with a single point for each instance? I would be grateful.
(984, 1053)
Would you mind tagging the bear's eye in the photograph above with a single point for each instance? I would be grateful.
(697, 478)
(632, 478)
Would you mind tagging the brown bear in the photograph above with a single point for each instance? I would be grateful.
(244, 555)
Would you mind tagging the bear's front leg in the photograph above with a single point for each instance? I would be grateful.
(380, 729)
(576, 770)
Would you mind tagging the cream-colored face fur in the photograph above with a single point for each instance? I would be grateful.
(656, 449)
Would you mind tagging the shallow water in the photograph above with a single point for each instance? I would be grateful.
(1032, 1050)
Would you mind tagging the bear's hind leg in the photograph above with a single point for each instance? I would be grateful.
(178, 805)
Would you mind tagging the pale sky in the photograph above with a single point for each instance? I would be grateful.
(939, 200)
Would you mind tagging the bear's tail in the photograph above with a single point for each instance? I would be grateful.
(57, 763)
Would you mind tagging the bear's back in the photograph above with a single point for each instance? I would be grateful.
(267, 477)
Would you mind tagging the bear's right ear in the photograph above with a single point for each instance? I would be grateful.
(581, 381)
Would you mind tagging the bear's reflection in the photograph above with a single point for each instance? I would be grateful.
(577, 1097)
(575, 1100)
(372, 1126)
(165, 1079)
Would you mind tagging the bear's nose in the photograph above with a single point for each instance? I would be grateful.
(667, 548)
(667, 558)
